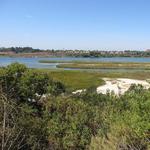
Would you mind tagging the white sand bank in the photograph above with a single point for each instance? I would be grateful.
(79, 91)
(120, 85)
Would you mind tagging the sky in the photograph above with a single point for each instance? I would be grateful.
(75, 24)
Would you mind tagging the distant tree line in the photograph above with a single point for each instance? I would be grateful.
(19, 49)
(78, 53)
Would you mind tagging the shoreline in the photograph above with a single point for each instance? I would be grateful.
(47, 55)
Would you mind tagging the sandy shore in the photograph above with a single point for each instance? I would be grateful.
(117, 85)
(120, 85)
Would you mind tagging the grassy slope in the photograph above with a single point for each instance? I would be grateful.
(77, 79)
(84, 79)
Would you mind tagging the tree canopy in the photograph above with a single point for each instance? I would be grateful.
(36, 113)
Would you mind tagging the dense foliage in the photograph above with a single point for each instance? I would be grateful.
(36, 113)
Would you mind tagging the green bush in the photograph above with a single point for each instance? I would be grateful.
(69, 122)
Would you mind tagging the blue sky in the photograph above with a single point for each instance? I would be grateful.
(75, 24)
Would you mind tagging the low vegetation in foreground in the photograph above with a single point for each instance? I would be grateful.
(38, 113)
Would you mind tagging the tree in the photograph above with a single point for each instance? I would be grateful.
(19, 127)
(10, 79)
(33, 85)
(23, 84)
(71, 123)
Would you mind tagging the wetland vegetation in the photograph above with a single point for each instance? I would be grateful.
(39, 111)
(98, 65)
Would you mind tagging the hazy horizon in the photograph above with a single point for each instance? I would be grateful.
(79, 49)
(76, 24)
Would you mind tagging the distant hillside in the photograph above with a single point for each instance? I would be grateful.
(31, 52)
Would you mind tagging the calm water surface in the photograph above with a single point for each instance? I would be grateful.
(34, 62)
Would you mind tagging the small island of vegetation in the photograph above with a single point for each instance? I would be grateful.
(98, 65)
